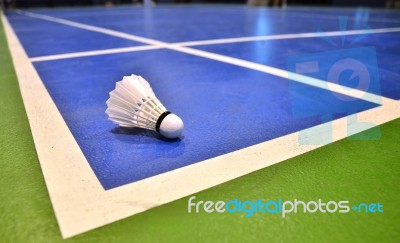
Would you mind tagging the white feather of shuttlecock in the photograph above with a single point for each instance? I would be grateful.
(133, 104)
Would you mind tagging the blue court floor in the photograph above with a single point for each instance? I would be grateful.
(224, 107)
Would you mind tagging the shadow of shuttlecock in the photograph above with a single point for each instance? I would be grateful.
(143, 132)
(144, 140)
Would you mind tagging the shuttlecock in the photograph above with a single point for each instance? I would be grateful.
(133, 104)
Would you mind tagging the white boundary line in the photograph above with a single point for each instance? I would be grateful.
(287, 36)
(79, 201)
(215, 42)
(93, 53)
(217, 57)
(94, 28)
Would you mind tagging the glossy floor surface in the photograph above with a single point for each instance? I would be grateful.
(225, 107)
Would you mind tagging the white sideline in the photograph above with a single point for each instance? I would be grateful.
(213, 56)
(287, 36)
(93, 53)
(214, 42)
(79, 201)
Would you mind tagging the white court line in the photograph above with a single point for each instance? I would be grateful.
(217, 57)
(93, 28)
(79, 201)
(287, 36)
(93, 53)
(286, 75)
(214, 42)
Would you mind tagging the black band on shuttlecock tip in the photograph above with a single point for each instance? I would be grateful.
(160, 119)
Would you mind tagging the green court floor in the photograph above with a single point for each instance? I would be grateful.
(354, 170)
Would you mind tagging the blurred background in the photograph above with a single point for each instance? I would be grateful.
(8, 4)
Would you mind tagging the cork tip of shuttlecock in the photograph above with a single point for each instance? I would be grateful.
(171, 126)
